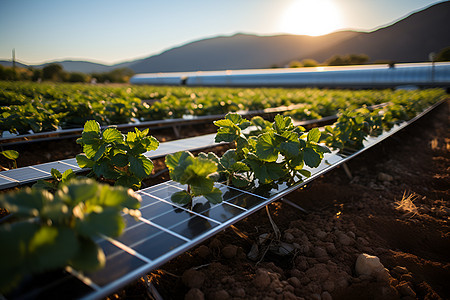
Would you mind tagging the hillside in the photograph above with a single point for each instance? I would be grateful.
(410, 39)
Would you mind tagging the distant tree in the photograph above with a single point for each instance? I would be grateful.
(78, 77)
(309, 62)
(443, 55)
(120, 75)
(349, 59)
(54, 72)
(295, 64)
(8, 73)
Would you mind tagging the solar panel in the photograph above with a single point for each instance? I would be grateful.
(166, 230)
(20, 176)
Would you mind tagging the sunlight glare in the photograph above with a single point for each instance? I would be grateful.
(311, 17)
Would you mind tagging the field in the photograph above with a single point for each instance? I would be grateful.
(394, 206)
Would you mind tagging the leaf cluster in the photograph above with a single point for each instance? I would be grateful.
(198, 173)
(114, 156)
(273, 152)
(49, 231)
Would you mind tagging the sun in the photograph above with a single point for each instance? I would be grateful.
(310, 17)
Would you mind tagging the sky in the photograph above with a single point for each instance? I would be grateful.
(114, 31)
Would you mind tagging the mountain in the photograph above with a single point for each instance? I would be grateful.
(410, 39)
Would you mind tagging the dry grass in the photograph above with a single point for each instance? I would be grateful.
(407, 205)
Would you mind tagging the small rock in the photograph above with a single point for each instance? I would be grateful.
(320, 252)
(384, 177)
(294, 282)
(328, 286)
(229, 251)
(383, 275)
(262, 279)
(331, 248)
(368, 265)
(406, 277)
(315, 297)
(362, 241)
(321, 235)
(345, 239)
(203, 251)
(194, 294)
(221, 295)
(351, 234)
(319, 272)
(400, 270)
(193, 278)
(326, 296)
(239, 292)
(405, 289)
(289, 296)
(215, 243)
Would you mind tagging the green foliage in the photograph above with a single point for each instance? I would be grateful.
(443, 55)
(274, 152)
(27, 106)
(12, 155)
(198, 173)
(349, 59)
(57, 180)
(114, 156)
(49, 231)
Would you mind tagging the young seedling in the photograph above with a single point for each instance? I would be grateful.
(114, 156)
(198, 173)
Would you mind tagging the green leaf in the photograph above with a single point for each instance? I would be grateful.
(80, 191)
(311, 157)
(89, 258)
(215, 196)
(10, 154)
(282, 123)
(141, 166)
(153, 143)
(266, 147)
(92, 125)
(56, 174)
(51, 247)
(107, 222)
(128, 181)
(240, 181)
(234, 117)
(314, 135)
(120, 160)
(26, 202)
(67, 175)
(14, 239)
(99, 153)
(112, 135)
(181, 197)
(305, 173)
(172, 160)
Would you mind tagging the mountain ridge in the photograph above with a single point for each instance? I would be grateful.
(410, 39)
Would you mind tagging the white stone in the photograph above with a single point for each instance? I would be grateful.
(368, 265)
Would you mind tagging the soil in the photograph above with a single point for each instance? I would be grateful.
(382, 234)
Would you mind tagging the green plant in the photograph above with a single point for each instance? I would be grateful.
(277, 153)
(49, 231)
(114, 156)
(12, 155)
(198, 173)
(58, 179)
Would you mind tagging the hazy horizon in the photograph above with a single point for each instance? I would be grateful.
(112, 32)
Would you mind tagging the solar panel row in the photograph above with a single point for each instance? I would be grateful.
(166, 230)
(20, 176)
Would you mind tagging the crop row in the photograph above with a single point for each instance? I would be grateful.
(52, 230)
(40, 107)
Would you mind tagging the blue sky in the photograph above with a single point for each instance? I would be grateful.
(113, 31)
